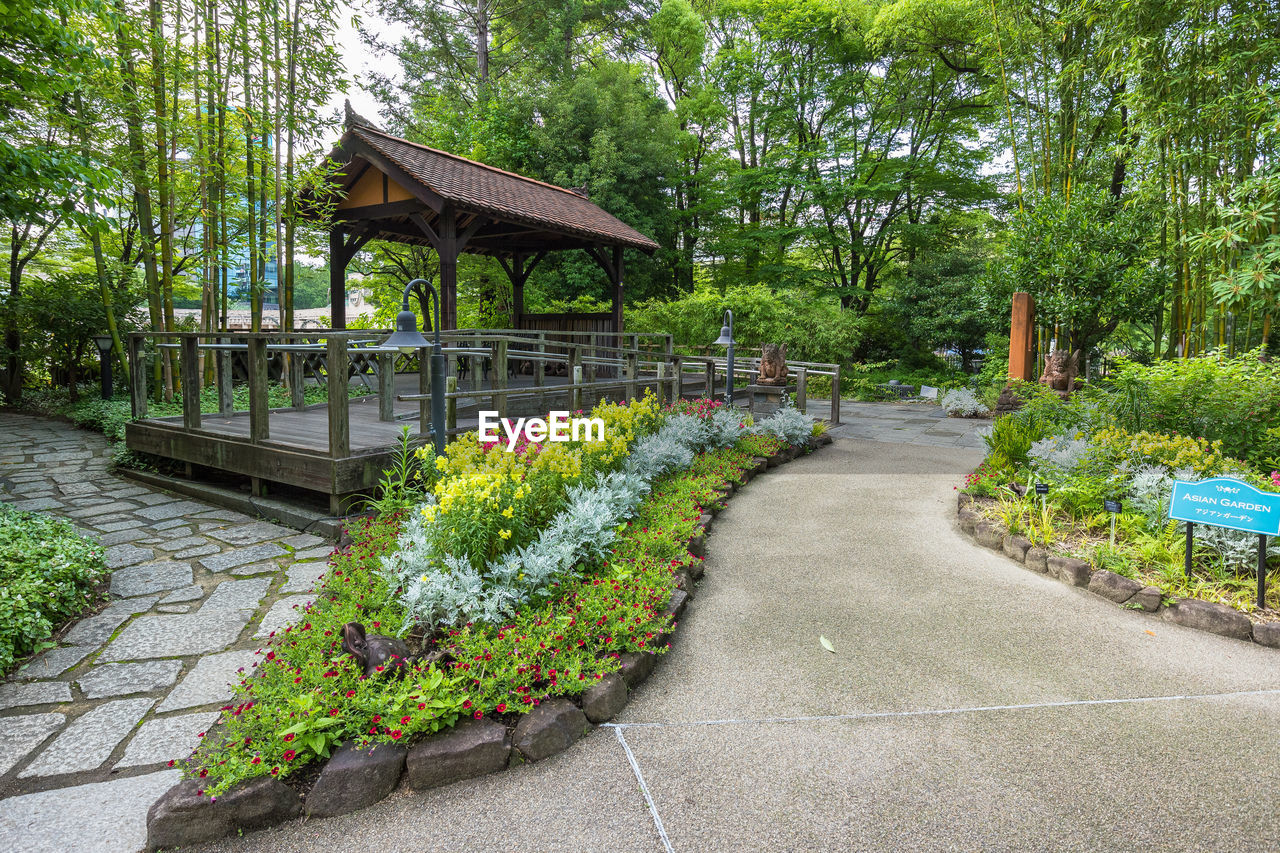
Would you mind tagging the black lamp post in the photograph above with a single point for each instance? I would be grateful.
(726, 340)
(104, 344)
(407, 338)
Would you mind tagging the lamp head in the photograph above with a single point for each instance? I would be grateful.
(103, 343)
(725, 339)
(406, 337)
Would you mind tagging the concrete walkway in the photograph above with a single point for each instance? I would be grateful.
(88, 727)
(969, 704)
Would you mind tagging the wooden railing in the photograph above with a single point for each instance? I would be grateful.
(592, 365)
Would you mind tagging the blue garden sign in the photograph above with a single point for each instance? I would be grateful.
(1221, 502)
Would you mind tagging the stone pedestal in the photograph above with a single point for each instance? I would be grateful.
(765, 399)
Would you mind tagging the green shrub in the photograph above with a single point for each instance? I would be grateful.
(47, 573)
(813, 329)
(1232, 400)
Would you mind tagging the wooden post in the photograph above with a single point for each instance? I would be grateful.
(615, 276)
(137, 377)
(709, 388)
(500, 377)
(450, 404)
(835, 394)
(633, 367)
(297, 387)
(339, 405)
(677, 381)
(594, 345)
(575, 364)
(575, 388)
(259, 404)
(189, 370)
(476, 362)
(226, 399)
(386, 386)
(540, 372)
(1022, 340)
(424, 387)
(661, 383)
(802, 395)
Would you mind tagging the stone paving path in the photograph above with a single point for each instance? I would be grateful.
(87, 728)
(904, 423)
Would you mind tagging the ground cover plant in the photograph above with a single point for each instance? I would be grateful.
(495, 623)
(47, 575)
(1128, 439)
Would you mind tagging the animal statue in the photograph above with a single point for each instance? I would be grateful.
(1060, 371)
(374, 652)
(773, 365)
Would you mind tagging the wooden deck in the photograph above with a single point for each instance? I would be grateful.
(296, 451)
(343, 450)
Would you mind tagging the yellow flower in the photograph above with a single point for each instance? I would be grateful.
(509, 511)
(505, 534)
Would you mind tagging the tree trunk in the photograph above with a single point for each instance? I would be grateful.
(138, 173)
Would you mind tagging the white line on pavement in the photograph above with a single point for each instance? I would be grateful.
(644, 789)
(932, 712)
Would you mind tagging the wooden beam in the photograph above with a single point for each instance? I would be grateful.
(337, 279)
(448, 253)
(427, 231)
(469, 231)
(389, 210)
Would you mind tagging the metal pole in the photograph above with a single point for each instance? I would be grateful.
(728, 390)
(1262, 570)
(1186, 566)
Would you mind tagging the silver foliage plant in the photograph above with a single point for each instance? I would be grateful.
(446, 590)
(963, 402)
(1059, 453)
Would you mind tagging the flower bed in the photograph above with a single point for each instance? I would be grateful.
(556, 611)
(1107, 444)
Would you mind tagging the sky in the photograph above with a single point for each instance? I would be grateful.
(359, 59)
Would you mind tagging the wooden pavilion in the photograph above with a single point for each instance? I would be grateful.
(393, 189)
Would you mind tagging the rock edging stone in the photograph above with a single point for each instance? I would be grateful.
(1188, 612)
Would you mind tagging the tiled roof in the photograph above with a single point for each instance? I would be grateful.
(478, 188)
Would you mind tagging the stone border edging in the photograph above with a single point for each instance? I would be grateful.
(354, 778)
(1189, 612)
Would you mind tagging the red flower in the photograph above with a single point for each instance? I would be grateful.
(404, 721)
(466, 704)
(502, 707)
(289, 755)
(395, 734)
(478, 714)
(256, 760)
(377, 718)
(288, 737)
(350, 693)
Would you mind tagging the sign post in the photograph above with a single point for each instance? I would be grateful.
(1113, 507)
(1042, 489)
(1232, 504)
